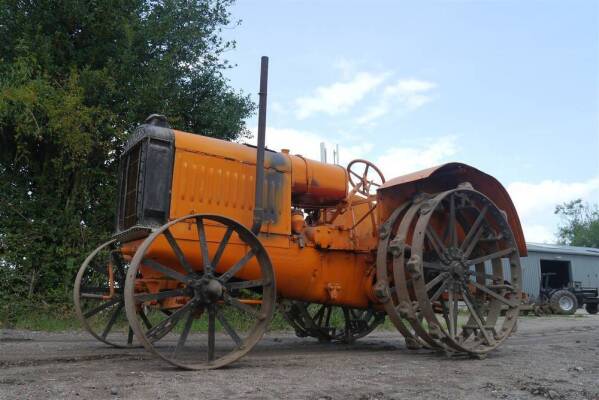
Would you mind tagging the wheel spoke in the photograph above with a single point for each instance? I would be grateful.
(166, 324)
(211, 332)
(177, 250)
(171, 273)
(456, 312)
(145, 320)
(436, 242)
(130, 337)
(184, 333)
(453, 234)
(435, 266)
(204, 246)
(245, 284)
(140, 298)
(355, 174)
(241, 306)
(435, 281)
(235, 268)
(329, 311)
(453, 312)
(439, 291)
(474, 241)
(223, 321)
(221, 247)
(480, 274)
(497, 254)
(494, 294)
(475, 316)
(319, 315)
(101, 307)
(474, 233)
(112, 320)
(347, 318)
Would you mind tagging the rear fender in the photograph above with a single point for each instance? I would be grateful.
(397, 191)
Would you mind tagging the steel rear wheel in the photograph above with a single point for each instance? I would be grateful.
(329, 323)
(213, 316)
(392, 288)
(466, 270)
(98, 296)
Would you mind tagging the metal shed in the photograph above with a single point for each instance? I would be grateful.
(565, 265)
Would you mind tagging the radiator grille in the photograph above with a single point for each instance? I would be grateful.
(130, 185)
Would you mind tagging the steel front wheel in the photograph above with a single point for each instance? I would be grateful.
(98, 296)
(208, 281)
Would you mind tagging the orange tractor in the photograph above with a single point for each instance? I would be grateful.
(212, 236)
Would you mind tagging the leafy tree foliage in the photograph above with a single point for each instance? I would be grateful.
(581, 224)
(75, 77)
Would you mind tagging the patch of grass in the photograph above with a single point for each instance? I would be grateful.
(50, 318)
(62, 317)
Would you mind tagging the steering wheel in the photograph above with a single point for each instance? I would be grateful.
(364, 177)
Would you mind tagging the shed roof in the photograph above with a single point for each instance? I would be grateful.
(562, 249)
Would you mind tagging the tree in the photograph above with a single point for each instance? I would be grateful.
(76, 77)
(580, 225)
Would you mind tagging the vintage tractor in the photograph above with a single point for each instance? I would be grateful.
(212, 235)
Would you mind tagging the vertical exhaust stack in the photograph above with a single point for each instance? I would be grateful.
(259, 202)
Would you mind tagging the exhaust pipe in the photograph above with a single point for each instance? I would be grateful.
(259, 200)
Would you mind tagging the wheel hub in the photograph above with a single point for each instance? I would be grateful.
(456, 263)
(566, 304)
(207, 289)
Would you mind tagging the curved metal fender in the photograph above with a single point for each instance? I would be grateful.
(398, 190)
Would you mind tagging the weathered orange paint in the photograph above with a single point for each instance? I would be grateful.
(330, 261)
(315, 184)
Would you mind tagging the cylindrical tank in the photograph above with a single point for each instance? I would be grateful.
(315, 184)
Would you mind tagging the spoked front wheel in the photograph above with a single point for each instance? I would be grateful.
(98, 296)
(209, 282)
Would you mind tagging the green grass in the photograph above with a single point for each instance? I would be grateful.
(49, 318)
(61, 317)
(58, 318)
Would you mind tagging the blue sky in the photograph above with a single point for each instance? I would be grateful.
(510, 87)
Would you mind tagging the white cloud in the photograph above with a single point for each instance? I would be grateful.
(307, 144)
(338, 97)
(538, 233)
(401, 160)
(406, 94)
(394, 161)
(535, 203)
(277, 107)
(408, 86)
(346, 67)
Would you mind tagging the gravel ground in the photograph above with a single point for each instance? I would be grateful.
(549, 357)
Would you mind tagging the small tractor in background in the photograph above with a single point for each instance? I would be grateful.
(567, 299)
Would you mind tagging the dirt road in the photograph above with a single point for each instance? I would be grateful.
(549, 357)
